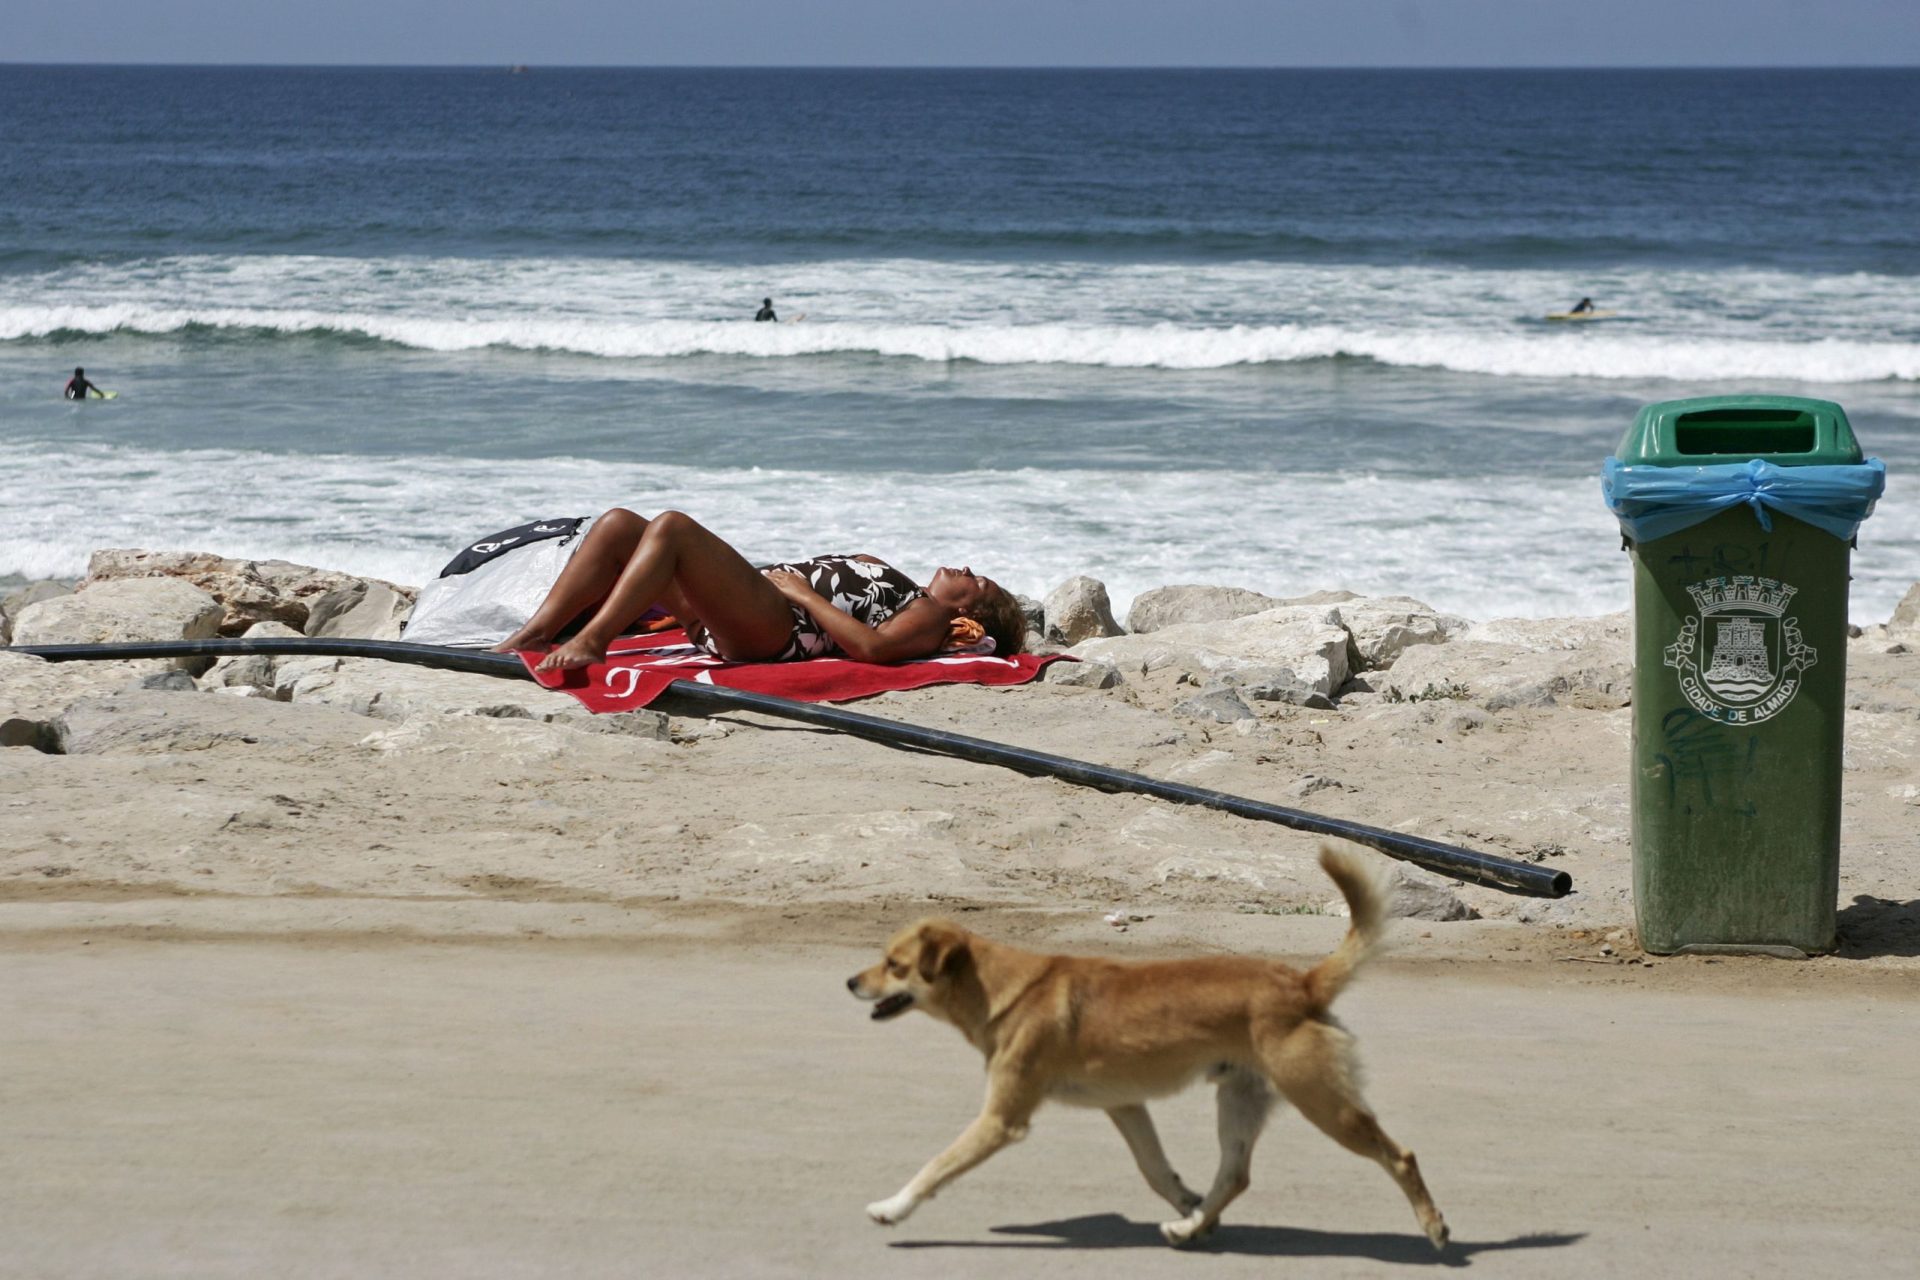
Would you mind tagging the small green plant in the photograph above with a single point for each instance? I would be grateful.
(1450, 691)
(1290, 909)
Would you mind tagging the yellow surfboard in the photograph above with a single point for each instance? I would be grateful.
(1581, 315)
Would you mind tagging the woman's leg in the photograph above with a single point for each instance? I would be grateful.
(589, 575)
(679, 559)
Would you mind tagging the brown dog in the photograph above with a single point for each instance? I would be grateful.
(1101, 1033)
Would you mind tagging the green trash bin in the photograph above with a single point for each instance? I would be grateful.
(1740, 636)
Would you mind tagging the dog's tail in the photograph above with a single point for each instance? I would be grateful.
(1366, 899)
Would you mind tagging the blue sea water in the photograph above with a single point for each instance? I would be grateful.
(1280, 329)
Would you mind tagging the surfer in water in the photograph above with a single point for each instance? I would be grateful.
(857, 606)
(78, 387)
(766, 310)
(1581, 307)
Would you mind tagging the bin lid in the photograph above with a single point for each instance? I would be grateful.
(1788, 431)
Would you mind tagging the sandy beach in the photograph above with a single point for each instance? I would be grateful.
(359, 967)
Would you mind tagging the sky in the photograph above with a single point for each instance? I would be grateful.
(1277, 33)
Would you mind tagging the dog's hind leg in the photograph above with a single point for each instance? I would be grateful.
(1313, 1067)
(1244, 1100)
(1136, 1126)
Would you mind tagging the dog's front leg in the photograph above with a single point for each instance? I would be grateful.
(1003, 1120)
(1136, 1126)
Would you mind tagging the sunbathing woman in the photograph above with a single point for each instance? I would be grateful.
(854, 605)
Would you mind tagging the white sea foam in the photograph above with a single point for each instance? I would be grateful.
(1683, 326)
(1448, 541)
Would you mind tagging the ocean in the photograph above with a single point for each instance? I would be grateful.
(1274, 329)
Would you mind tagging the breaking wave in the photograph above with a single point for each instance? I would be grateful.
(1683, 326)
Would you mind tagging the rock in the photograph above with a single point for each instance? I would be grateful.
(1421, 895)
(1084, 675)
(1384, 627)
(361, 611)
(33, 593)
(1266, 873)
(1904, 625)
(1219, 704)
(1034, 612)
(1304, 639)
(1523, 662)
(506, 744)
(175, 681)
(1275, 684)
(651, 725)
(1078, 610)
(1313, 782)
(394, 691)
(110, 612)
(148, 722)
(1171, 606)
(249, 670)
(249, 591)
(37, 689)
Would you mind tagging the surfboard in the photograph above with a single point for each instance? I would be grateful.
(797, 319)
(1581, 315)
(108, 395)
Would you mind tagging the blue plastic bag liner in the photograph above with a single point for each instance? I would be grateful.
(1653, 502)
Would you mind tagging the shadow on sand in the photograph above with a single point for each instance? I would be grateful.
(1879, 927)
(1111, 1231)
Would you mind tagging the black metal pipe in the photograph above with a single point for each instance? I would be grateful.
(1451, 860)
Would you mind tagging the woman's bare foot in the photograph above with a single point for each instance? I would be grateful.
(577, 652)
(524, 638)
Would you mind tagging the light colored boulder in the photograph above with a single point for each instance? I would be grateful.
(1274, 684)
(1078, 609)
(33, 593)
(1904, 625)
(1084, 675)
(1304, 639)
(37, 689)
(249, 591)
(1170, 606)
(142, 722)
(1413, 893)
(1524, 662)
(1418, 894)
(1219, 704)
(360, 611)
(1384, 627)
(394, 691)
(111, 612)
(249, 670)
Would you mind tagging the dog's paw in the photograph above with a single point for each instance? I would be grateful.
(1438, 1233)
(1181, 1232)
(891, 1210)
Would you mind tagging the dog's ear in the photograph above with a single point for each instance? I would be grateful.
(942, 948)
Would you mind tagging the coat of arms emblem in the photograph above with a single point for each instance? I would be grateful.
(1753, 653)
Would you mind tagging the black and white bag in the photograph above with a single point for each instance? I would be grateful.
(488, 591)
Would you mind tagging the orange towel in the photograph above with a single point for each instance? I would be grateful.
(964, 633)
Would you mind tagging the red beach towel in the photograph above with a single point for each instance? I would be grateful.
(639, 668)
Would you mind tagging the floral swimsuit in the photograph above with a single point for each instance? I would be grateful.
(867, 589)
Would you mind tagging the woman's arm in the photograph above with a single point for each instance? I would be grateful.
(915, 632)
